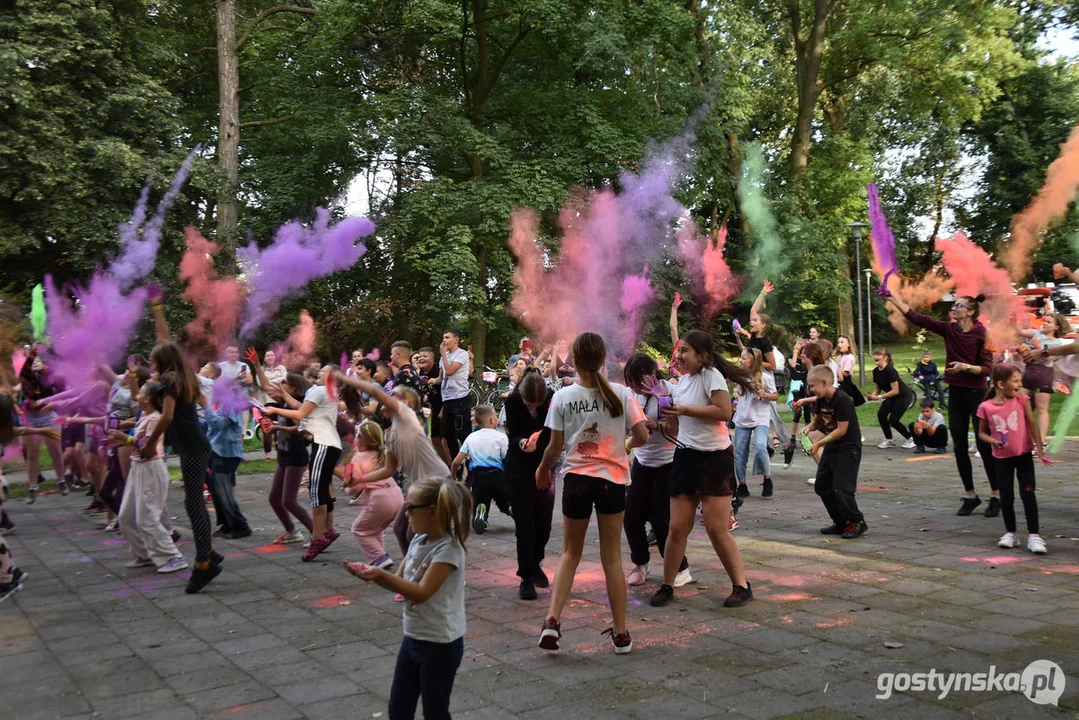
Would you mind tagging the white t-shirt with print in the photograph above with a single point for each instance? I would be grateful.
(752, 411)
(322, 422)
(595, 442)
(455, 386)
(696, 391)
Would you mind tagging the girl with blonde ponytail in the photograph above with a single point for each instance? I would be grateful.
(590, 421)
(432, 581)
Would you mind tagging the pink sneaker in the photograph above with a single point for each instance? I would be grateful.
(316, 547)
(330, 536)
(732, 523)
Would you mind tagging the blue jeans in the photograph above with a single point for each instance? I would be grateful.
(424, 669)
(758, 436)
(221, 480)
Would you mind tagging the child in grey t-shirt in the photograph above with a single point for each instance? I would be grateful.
(432, 581)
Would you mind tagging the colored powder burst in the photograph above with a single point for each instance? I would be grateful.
(598, 282)
(1065, 417)
(230, 398)
(138, 252)
(1049, 206)
(768, 259)
(706, 266)
(301, 344)
(38, 314)
(919, 294)
(883, 240)
(298, 255)
(216, 300)
(93, 331)
(975, 273)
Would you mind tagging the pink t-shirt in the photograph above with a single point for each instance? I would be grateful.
(144, 429)
(1008, 422)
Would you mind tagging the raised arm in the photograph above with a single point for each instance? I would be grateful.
(388, 401)
(161, 325)
(675, 304)
(758, 304)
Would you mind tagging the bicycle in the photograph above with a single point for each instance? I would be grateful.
(930, 391)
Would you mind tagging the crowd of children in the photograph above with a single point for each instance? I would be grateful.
(651, 452)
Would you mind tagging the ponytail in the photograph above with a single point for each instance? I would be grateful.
(589, 353)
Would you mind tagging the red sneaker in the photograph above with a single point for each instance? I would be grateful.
(552, 633)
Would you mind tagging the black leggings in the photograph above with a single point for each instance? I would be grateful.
(532, 513)
(1009, 469)
(648, 498)
(194, 470)
(963, 405)
(890, 414)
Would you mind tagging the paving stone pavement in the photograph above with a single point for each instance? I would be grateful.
(276, 638)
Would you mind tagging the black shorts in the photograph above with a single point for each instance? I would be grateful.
(72, 435)
(321, 464)
(1038, 379)
(703, 472)
(581, 492)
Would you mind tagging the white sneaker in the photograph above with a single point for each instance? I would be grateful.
(1036, 545)
(908, 445)
(683, 577)
(1007, 540)
(732, 523)
(174, 564)
(972, 448)
(289, 538)
(978, 454)
(886, 444)
(638, 575)
(812, 480)
(140, 563)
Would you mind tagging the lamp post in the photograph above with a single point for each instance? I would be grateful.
(856, 229)
(869, 304)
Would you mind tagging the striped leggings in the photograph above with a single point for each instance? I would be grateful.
(193, 468)
(323, 460)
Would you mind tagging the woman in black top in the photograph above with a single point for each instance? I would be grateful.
(526, 412)
(896, 396)
(179, 419)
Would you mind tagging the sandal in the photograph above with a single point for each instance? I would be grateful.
(317, 546)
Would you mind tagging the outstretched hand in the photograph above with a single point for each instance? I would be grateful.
(251, 355)
(677, 300)
(768, 287)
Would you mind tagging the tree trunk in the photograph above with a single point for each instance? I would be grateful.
(228, 129)
(845, 322)
(808, 52)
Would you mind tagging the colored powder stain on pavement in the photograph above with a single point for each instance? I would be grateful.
(331, 601)
(271, 548)
(997, 560)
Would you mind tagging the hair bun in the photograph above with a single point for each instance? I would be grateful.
(980, 299)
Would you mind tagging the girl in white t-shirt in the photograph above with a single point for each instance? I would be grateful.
(590, 420)
(319, 413)
(751, 421)
(703, 471)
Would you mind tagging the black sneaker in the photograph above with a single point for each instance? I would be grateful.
(238, 534)
(551, 634)
(91, 491)
(18, 576)
(771, 451)
(831, 530)
(31, 497)
(623, 644)
(993, 508)
(736, 503)
(8, 589)
(739, 596)
(662, 596)
(540, 578)
(743, 490)
(216, 558)
(968, 505)
(176, 536)
(221, 532)
(527, 591)
(767, 491)
(62, 484)
(201, 578)
(651, 537)
(479, 523)
(855, 529)
(788, 452)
